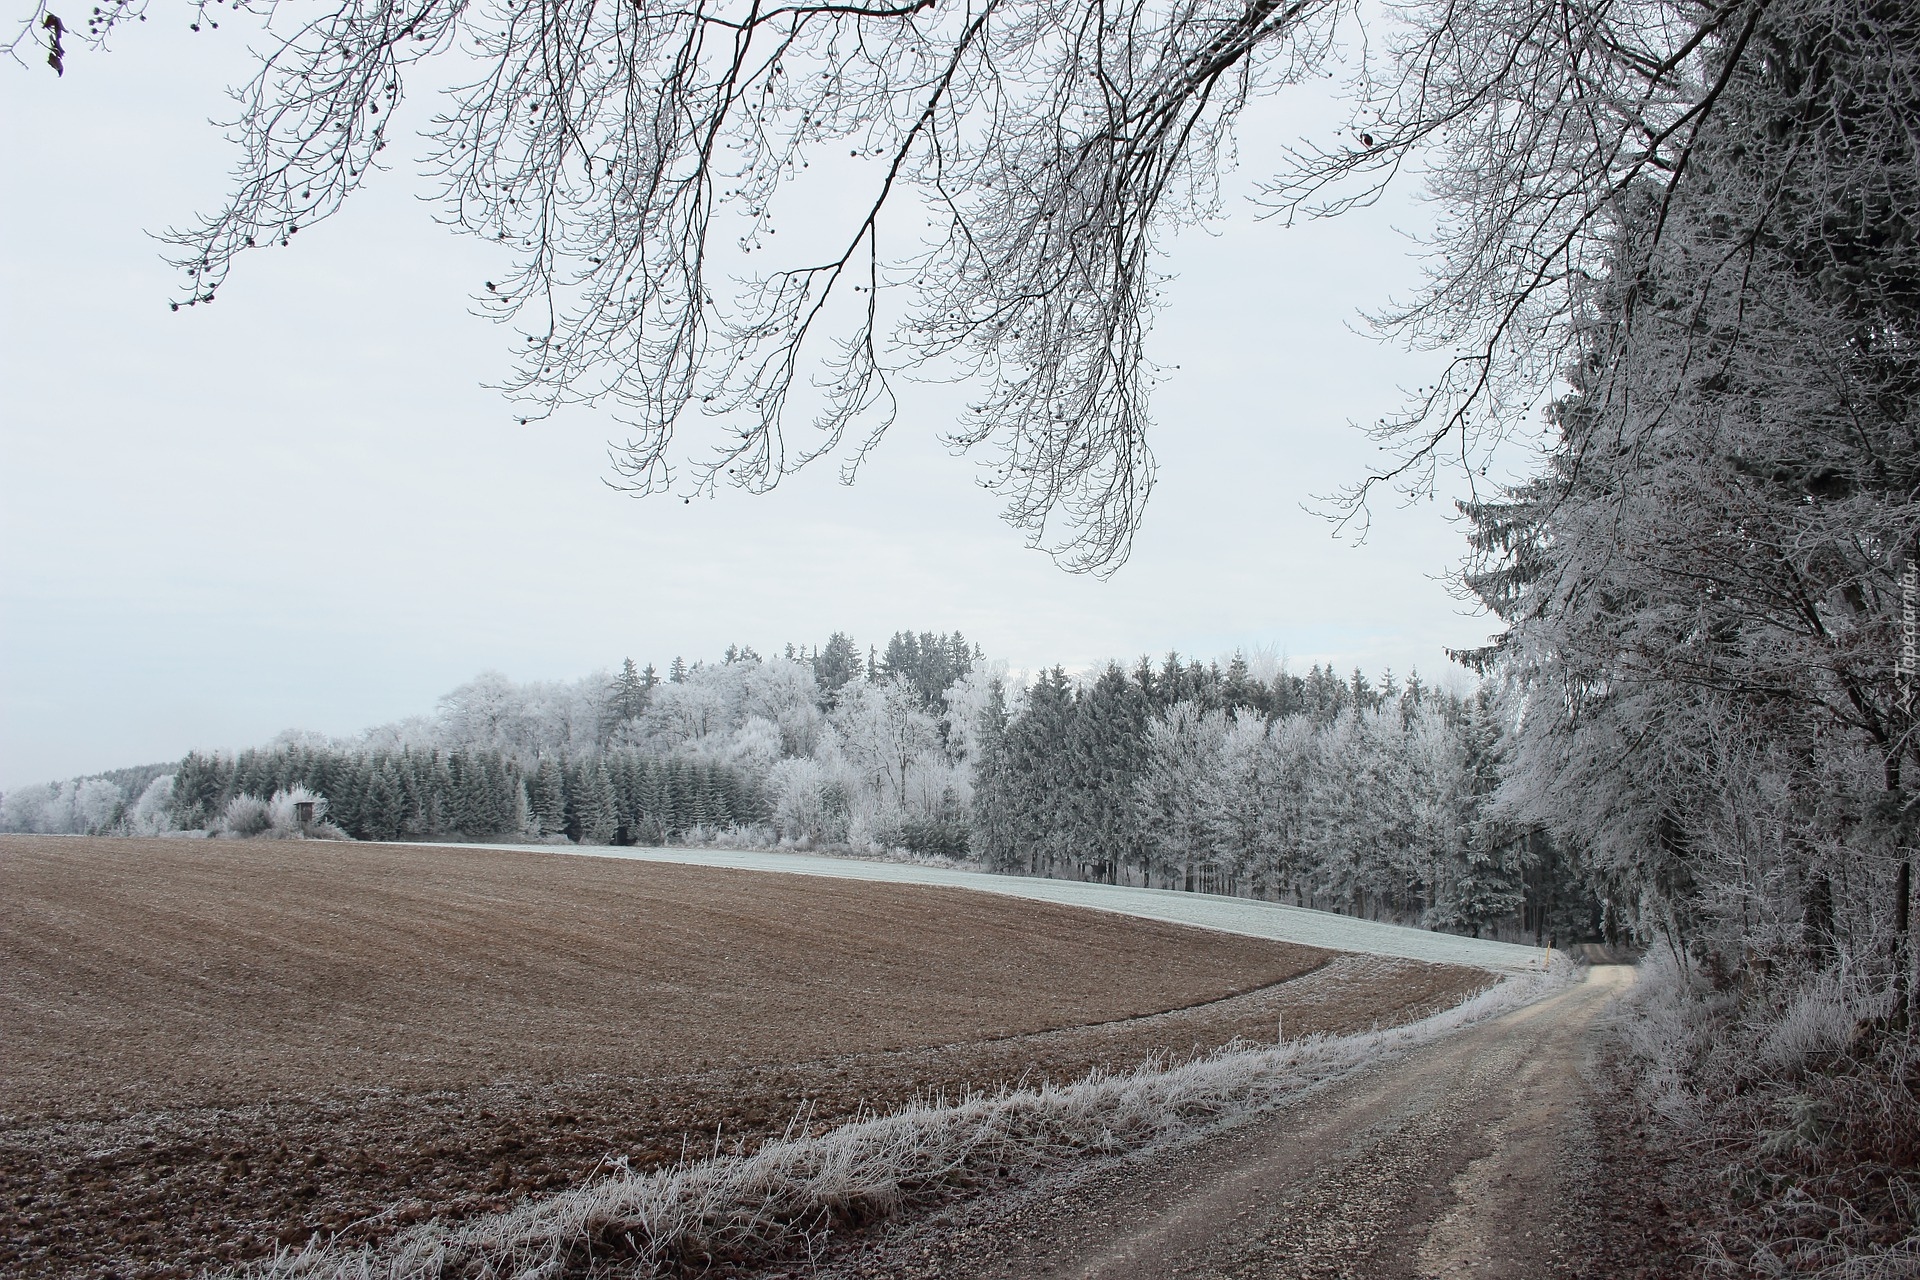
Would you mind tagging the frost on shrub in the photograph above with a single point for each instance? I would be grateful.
(96, 803)
(283, 811)
(245, 816)
(751, 835)
(26, 809)
(81, 806)
(1818, 1020)
(1797, 1097)
(151, 813)
(809, 802)
(1668, 1035)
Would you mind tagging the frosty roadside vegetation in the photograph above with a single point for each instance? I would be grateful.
(1793, 1111)
(790, 1194)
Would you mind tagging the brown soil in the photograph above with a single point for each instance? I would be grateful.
(213, 1049)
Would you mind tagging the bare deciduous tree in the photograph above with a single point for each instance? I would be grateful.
(1018, 163)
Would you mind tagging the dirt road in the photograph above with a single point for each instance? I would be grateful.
(1472, 1157)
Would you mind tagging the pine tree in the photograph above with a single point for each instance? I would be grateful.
(1105, 750)
(198, 785)
(385, 813)
(1036, 752)
(1237, 686)
(593, 806)
(549, 796)
(836, 665)
(626, 698)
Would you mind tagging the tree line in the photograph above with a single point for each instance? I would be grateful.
(618, 797)
(1344, 793)
(1339, 794)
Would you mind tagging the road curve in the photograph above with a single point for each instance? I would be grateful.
(1469, 1157)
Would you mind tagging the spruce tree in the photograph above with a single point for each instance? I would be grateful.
(524, 824)
(549, 796)
(1239, 688)
(648, 801)
(1036, 748)
(626, 698)
(1105, 751)
(593, 807)
(197, 787)
(461, 812)
(500, 788)
(347, 802)
(680, 798)
(386, 809)
(836, 664)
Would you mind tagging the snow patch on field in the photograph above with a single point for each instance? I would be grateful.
(790, 1193)
(1243, 916)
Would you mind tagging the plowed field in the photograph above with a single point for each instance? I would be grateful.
(211, 1049)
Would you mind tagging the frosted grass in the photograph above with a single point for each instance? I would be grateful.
(1245, 916)
(790, 1193)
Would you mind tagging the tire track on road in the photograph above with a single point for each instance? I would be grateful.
(1463, 1158)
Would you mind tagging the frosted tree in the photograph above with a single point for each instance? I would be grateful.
(787, 694)
(150, 814)
(810, 803)
(591, 805)
(1284, 772)
(882, 731)
(1235, 797)
(685, 712)
(1482, 883)
(626, 698)
(1182, 758)
(489, 711)
(78, 806)
(968, 704)
(1703, 585)
(1364, 802)
(548, 796)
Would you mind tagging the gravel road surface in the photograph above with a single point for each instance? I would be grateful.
(1471, 1157)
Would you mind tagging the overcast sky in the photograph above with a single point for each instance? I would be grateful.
(300, 507)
